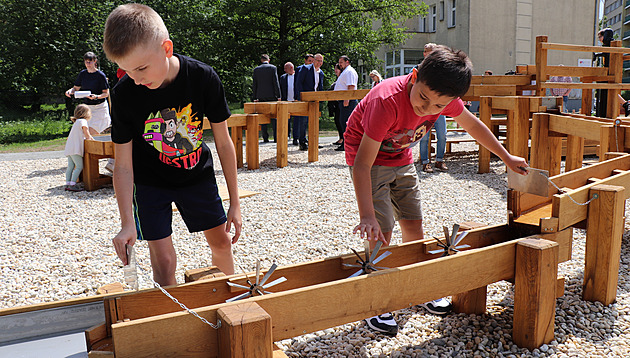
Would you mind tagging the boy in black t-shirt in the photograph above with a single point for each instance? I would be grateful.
(160, 157)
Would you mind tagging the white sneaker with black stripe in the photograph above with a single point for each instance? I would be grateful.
(383, 323)
(439, 307)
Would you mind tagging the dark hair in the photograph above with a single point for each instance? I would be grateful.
(264, 57)
(89, 56)
(608, 35)
(308, 55)
(345, 58)
(446, 71)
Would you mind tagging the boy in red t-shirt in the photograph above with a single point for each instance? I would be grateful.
(387, 122)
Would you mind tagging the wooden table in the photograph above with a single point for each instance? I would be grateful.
(100, 147)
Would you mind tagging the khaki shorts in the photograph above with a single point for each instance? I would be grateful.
(395, 194)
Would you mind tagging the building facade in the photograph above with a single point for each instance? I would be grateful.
(497, 35)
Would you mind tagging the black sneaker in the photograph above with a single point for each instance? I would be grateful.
(439, 307)
(383, 323)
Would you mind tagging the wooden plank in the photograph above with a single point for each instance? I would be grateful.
(541, 64)
(261, 107)
(570, 213)
(202, 273)
(535, 292)
(471, 302)
(494, 90)
(485, 115)
(582, 48)
(583, 128)
(574, 153)
(604, 231)
(512, 80)
(334, 95)
(325, 303)
(575, 71)
(518, 128)
(245, 331)
(251, 143)
(594, 85)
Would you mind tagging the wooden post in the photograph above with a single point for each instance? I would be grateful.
(518, 128)
(485, 115)
(587, 100)
(574, 153)
(546, 151)
(471, 302)
(245, 331)
(615, 69)
(251, 142)
(611, 139)
(541, 65)
(604, 230)
(535, 280)
(236, 133)
(282, 143)
(313, 131)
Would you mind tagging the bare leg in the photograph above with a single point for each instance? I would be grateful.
(163, 261)
(411, 230)
(221, 246)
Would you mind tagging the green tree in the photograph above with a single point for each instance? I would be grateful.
(43, 41)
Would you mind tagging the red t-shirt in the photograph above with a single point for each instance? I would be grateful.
(386, 115)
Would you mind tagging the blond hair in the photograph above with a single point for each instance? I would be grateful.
(130, 26)
(82, 111)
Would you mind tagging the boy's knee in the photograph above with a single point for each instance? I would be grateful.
(218, 240)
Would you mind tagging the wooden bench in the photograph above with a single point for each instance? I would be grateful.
(99, 148)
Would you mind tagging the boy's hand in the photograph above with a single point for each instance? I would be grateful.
(126, 236)
(234, 217)
(517, 164)
(369, 227)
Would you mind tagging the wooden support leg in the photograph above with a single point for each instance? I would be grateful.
(587, 101)
(535, 281)
(245, 331)
(251, 142)
(282, 146)
(612, 139)
(471, 302)
(485, 115)
(237, 139)
(604, 230)
(546, 150)
(575, 153)
(313, 131)
(518, 128)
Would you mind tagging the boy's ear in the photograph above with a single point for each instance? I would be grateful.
(414, 75)
(167, 46)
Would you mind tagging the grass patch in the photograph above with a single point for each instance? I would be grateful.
(39, 146)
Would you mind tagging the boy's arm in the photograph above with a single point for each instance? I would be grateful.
(366, 154)
(227, 156)
(123, 186)
(484, 136)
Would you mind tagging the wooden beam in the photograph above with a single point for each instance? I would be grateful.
(584, 128)
(485, 115)
(618, 86)
(535, 292)
(282, 128)
(326, 303)
(575, 71)
(334, 95)
(569, 212)
(313, 131)
(604, 231)
(581, 48)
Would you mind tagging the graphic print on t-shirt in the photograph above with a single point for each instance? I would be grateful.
(176, 135)
(401, 139)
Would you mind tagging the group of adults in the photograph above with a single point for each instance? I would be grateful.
(307, 77)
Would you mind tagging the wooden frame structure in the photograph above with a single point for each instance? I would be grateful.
(99, 148)
(142, 323)
(604, 185)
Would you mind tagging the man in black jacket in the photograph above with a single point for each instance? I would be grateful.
(266, 89)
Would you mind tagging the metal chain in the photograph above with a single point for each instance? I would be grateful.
(616, 127)
(157, 285)
(595, 196)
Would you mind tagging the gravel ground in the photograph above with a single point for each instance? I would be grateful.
(57, 245)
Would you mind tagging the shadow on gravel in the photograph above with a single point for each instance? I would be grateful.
(41, 173)
(81, 195)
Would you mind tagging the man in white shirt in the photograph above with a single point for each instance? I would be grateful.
(287, 81)
(347, 80)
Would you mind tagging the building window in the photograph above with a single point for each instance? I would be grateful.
(451, 13)
(422, 26)
(432, 18)
(441, 10)
(401, 62)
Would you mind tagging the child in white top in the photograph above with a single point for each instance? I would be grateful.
(74, 146)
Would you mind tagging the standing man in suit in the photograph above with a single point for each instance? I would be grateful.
(287, 85)
(309, 79)
(347, 81)
(266, 89)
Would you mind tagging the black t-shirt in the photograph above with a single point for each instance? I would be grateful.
(94, 82)
(165, 124)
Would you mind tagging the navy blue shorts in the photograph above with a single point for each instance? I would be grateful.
(199, 205)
